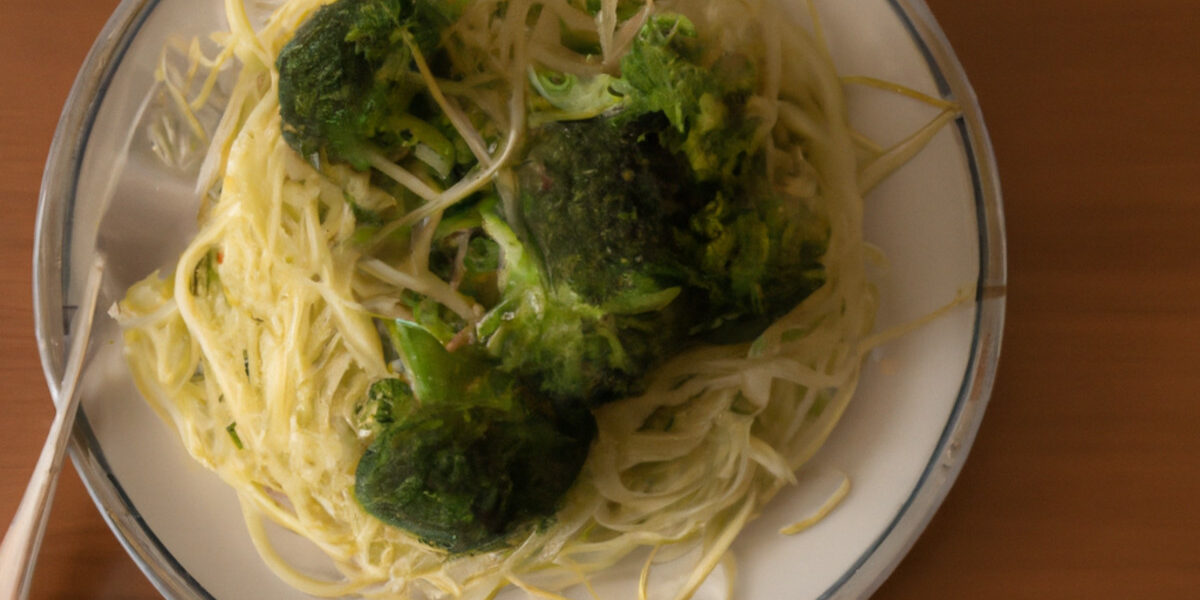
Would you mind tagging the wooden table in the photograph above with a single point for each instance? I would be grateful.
(1085, 478)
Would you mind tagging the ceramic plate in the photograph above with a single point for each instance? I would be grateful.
(901, 443)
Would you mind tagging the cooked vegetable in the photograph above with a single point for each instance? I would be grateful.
(467, 453)
(636, 250)
(592, 299)
(662, 73)
(342, 92)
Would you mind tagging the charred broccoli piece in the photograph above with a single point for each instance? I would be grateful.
(343, 94)
(467, 453)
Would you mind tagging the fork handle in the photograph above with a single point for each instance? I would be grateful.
(24, 536)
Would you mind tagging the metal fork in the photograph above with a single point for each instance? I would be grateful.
(18, 553)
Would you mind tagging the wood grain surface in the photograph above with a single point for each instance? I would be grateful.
(1084, 481)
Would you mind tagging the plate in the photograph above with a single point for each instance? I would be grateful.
(901, 443)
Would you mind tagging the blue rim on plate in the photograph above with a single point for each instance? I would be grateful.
(51, 277)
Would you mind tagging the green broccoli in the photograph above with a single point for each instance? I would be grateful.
(751, 253)
(663, 72)
(598, 199)
(467, 453)
(755, 254)
(343, 93)
(592, 286)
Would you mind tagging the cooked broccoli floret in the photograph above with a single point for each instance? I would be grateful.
(591, 291)
(664, 73)
(621, 259)
(757, 259)
(467, 453)
(343, 94)
(647, 228)
(599, 200)
(755, 254)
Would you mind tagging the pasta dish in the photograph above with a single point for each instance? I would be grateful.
(494, 294)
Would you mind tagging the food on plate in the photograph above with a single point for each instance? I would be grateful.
(494, 293)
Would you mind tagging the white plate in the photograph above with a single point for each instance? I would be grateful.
(901, 442)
